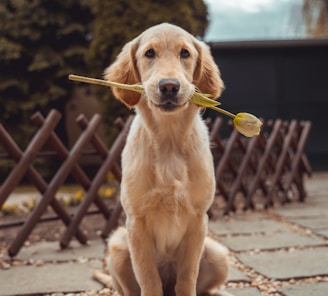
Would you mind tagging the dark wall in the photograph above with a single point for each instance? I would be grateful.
(279, 79)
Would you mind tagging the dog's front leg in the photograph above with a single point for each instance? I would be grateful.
(190, 253)
(144, 258)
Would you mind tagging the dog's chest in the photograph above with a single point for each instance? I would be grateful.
(167, 174)
(167, 226)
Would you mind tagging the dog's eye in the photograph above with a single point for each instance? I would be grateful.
(184, 53)
(150, 53)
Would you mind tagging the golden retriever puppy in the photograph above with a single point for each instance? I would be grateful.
(168, 176)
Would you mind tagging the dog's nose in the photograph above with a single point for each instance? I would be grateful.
(169, 88)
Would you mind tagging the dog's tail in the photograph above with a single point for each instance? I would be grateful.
(103, 278)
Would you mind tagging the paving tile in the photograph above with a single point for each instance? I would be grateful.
(235, 275)
(50, 251)
(288, 264)
(49, 278)
(317, 222)
(303, 210)
(245, 292)
(269, 241)
(316, 198)
(222, 292)
(245, 224)
(317, 183)
(318, 289)
(323, 232)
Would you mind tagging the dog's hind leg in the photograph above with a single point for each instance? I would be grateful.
(213, 269)
(120, 266)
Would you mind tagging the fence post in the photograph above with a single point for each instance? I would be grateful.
(114, 153)
(35, 178)
(55, 183)
(281, 161)
(29, 155)
(116, 170)
(241, 172)
(77, 172)
(263, 162)
(295, 173)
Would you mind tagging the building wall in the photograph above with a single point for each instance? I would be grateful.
(279, 79)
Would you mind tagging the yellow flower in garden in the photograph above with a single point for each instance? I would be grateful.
(79, 195)
(247, 124)
(106, 192)
(9, 209)
(110, 191)
(30, 203)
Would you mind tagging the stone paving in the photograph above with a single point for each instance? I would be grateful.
(282, 251)
(51, 270)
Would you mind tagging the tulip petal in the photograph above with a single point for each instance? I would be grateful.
(247, 124)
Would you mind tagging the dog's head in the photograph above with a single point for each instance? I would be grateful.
(170, 63)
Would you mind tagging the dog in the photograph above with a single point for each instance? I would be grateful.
(168, 178)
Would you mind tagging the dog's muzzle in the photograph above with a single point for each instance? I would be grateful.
(168, 89)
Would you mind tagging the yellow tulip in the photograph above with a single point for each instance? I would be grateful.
(247, 124)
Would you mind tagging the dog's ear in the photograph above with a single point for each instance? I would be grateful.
(207, 77)
(124, 70)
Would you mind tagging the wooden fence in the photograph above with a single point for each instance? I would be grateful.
(272, 166)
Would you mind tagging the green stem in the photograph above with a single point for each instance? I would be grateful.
(135, 87)
(225, 112)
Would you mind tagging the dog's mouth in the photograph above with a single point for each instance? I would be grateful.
(169, 106)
